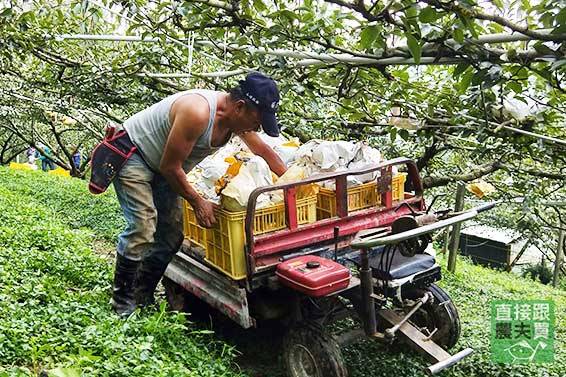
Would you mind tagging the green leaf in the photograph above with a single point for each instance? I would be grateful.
(6, 12)
(458, 35)
(259, 6)
(561, 17)
(515, 86)
(523, 73)
(522, 99)
(414, 47)
(460, 68)
(470, 25)
(288, 15)
(368, 36)
(465, 81)
(543, 49)
(428, 15)
(478, 77)
(392, 134)
(201, 332)
(560, 29)
(411, 11)
(64, 372)
(498, 3)
(356, 116)
(94, 14)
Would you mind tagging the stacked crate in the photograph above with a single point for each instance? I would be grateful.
(224, 244)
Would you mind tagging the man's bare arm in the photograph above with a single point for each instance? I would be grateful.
(259, 147)
(189, 120)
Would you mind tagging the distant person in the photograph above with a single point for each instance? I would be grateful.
(31, 155)
(77, 158)
(46, 161)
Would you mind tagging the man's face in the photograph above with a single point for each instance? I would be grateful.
(248, 120)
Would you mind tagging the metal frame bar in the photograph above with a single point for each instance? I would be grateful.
(269, 245)
(420, 343)
(396, 238)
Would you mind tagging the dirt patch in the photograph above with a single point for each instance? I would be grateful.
(259, 348)
(104, 249)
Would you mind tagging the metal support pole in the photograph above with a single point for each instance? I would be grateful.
(366, 286)
(446, 240)
(190, 49)
(559, 256)
(455, 239)
(519, 255)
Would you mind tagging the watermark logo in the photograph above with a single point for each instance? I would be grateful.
(522, 331)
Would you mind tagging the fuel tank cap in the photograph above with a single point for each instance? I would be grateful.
(313, 264)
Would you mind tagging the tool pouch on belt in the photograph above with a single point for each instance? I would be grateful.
(108, 158)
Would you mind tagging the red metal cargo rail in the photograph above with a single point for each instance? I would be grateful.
(264, 251)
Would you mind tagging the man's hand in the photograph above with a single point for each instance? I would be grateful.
(204, 212)
(259, 147)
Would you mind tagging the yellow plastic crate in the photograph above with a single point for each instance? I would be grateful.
(359, 197)
(398, 186)
(192, 231)
(225, 242)
(60, 172)
(18, 166)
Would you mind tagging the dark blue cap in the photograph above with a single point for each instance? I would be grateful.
(262, 91)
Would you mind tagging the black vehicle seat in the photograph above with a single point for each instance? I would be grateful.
(401, 266)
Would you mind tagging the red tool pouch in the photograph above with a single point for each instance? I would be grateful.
(108, 158)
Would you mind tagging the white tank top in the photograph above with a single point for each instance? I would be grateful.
(150, 128)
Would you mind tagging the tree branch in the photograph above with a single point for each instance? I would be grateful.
(536, 173)
(477, 14)
(478, 172)
(429, 154)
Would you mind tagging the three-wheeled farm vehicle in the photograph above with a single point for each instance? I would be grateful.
(369, 265)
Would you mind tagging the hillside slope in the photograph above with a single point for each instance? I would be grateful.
(54, 294)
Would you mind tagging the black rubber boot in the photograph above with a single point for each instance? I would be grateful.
(123, 300)
(149, 274)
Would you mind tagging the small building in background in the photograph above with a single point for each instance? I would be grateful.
(498, 248)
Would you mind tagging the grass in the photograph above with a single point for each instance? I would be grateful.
(69, 200)
(473, 288)
(55, 317)
(54, 293)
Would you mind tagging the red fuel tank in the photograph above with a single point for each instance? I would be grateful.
(313, 275)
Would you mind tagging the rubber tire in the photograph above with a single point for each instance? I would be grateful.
(435, 315)
(310, 342)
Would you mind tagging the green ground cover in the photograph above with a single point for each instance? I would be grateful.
(54, 294)
(54, 312)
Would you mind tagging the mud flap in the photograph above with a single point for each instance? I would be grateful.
(211, 287)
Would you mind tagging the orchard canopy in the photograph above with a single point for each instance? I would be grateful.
(470, 89)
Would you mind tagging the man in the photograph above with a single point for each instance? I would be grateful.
(76, 157)
(172, 137)
(46, 161)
